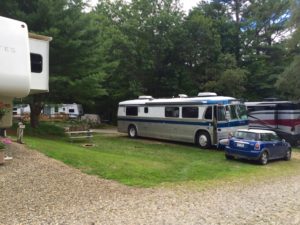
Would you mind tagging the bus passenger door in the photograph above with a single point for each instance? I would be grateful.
(222, 123)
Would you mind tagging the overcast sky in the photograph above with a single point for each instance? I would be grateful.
(188, 4)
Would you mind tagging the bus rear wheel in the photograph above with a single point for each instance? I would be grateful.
(132, 132)
(203, 139)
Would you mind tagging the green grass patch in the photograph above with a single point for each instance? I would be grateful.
(145, 163)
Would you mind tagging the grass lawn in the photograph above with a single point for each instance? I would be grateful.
(146, 163)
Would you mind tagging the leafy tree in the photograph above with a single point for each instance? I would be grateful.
(263, 51)
(232, 81)
(289, 81)
(201, 51)
(76, 61)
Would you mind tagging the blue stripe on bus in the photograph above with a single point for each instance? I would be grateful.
(220, 125)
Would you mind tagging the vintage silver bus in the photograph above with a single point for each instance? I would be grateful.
(202, 120)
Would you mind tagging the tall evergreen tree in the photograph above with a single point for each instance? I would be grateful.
(289, 81)
(75, 60)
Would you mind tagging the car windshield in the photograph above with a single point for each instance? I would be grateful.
(246, 135)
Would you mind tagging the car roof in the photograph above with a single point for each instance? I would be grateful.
(257, 131)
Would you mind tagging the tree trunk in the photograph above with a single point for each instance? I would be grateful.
(237, 9)
(35, 110)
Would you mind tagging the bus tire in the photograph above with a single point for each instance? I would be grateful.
(203, 139)
(132, 132)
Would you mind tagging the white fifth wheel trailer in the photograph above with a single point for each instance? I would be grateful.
(24, 65)
(203, 120)
(74, 111)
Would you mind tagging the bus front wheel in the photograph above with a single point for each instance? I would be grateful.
(203, 139)
(132, 132)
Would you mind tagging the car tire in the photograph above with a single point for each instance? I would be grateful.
(132, 132)
(264, 158)
(229, 157)
(203, 139)
(288, 155)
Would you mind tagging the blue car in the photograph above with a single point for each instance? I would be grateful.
(260, 145)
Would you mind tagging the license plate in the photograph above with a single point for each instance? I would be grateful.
(241, 145)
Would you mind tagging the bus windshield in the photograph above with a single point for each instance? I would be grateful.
(242, 111)
(238, 111)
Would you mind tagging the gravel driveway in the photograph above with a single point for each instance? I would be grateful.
(35, 189)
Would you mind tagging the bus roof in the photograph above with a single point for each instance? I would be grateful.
(183, 101)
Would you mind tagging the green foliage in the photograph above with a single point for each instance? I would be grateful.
(145, 163)
(231, 83)
(289, 82)
(2, 146)
(122, 49)
(44, 130)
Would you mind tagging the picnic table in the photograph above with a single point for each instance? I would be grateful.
(83, 134)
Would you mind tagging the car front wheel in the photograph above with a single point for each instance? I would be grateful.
(288, 155)
(264, 158)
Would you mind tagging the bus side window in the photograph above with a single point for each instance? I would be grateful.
(131, 111)
(190, 112)
(208, 113)
(172, 112)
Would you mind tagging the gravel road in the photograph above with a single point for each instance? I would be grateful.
(35, 189)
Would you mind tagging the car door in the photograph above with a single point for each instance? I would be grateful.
(280, 145)
(270, 144)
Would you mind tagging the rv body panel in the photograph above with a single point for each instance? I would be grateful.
(39, 54)
(283, 117)
(21, 109)
(14, 58)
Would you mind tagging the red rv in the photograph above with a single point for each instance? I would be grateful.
(283, 117)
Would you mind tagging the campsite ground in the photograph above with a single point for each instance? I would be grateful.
(36, 189)
(141, 181)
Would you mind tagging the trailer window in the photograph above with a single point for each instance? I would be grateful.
(71, 110)
(190, 112)
(36, 63)
(131, 111)
(146, 110)
(172, 112)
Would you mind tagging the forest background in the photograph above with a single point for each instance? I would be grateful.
(118, 50)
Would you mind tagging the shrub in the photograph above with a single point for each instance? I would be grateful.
(43, 130)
